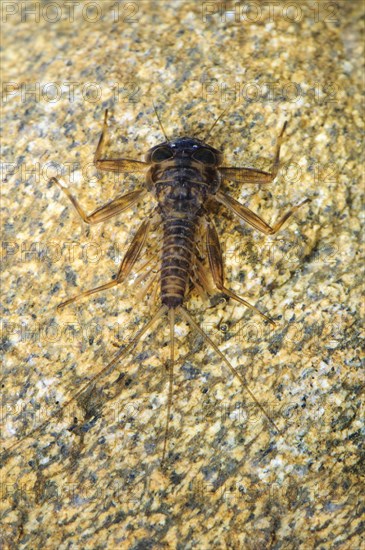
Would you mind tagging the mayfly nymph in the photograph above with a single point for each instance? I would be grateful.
(186, 177)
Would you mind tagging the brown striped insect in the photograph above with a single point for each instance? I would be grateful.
(186, 177)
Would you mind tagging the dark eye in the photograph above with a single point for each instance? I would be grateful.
(205, 156)
(162, 153)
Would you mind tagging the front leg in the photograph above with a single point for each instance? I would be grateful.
(251, 175)
(114, 165)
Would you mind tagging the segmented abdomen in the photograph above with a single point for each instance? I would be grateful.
(177, 255)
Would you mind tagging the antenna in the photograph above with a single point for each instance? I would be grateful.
(160, 123)
(217, 119)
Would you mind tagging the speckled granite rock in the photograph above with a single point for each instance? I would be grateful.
(230, 481)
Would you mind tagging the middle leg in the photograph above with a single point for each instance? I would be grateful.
(108, 210)
(254, 219)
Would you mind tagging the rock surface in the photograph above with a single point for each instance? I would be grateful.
(93, 478)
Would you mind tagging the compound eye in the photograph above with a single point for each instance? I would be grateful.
(161, 153)
(205, 156)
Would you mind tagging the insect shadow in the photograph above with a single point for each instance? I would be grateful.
(186, 177)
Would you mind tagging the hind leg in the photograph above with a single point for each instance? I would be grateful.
(216, 266)
(130, 258)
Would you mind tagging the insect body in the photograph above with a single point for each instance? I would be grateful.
(186, 177)
(183, 175)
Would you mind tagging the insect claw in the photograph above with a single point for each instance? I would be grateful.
(304, 202)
